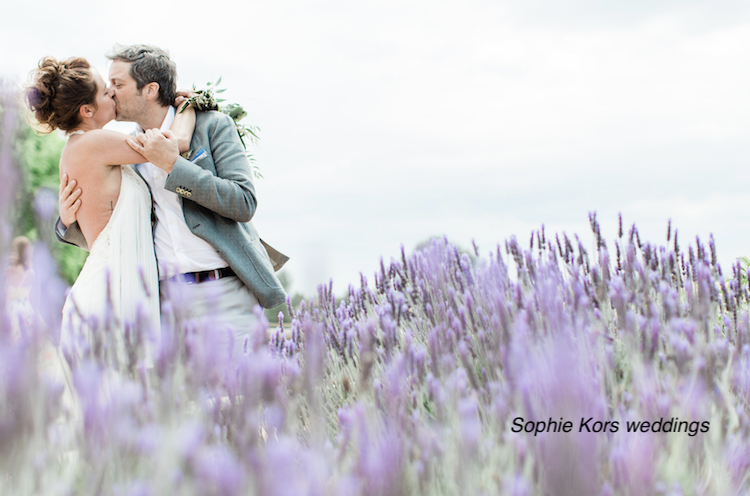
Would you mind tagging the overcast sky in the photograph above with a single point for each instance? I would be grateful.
(384, 123)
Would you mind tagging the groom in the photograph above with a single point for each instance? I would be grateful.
(209, 254)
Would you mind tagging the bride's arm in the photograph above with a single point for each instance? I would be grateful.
(111, 148)
(107, 148)
(183, 127)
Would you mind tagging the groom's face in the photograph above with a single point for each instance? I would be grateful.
(131, 103)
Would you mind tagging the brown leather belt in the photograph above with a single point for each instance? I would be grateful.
(206, 275)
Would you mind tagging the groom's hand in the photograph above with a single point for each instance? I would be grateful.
(161, 149)
(68, 201)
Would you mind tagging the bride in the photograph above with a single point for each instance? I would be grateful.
(116, 295)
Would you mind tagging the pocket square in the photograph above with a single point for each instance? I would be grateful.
(201, 153)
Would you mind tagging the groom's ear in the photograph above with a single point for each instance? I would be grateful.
(152, 90)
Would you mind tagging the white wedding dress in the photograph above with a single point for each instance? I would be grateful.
(117, 291)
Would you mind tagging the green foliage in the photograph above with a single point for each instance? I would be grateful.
(38, 160)
(70, 259)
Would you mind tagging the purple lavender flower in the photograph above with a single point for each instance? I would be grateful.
(45, 204)
(218, 471)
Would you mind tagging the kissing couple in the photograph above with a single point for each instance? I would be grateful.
(166, 226)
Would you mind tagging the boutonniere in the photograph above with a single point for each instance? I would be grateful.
(205, 100)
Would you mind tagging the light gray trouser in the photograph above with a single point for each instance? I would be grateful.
(218, 311)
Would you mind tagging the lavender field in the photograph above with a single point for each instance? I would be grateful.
(419, 384)
(542, 369)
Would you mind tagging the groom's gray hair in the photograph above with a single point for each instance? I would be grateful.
(149, 64)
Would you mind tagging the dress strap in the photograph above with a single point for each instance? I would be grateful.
(71, 133)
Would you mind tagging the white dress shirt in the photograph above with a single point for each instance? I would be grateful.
(177, 249)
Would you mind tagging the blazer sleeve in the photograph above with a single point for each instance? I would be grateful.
(72, 235)
(230, 193)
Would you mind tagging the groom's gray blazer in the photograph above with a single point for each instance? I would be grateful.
(216, 189)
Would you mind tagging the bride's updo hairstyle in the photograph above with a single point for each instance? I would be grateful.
(58, 89)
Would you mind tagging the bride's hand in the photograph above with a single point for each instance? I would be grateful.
(68, 200)
(159, 148)
(182, 96)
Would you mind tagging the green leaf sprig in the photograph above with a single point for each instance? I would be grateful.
(205, 100)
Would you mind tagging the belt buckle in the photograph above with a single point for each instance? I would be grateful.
(199, 277)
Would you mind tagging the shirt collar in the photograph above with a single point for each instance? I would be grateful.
(166, 124)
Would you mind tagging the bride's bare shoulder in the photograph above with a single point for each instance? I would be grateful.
(98, 137)
(104, 147)
(97, 142)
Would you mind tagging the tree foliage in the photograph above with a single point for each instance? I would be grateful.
(38, 157)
